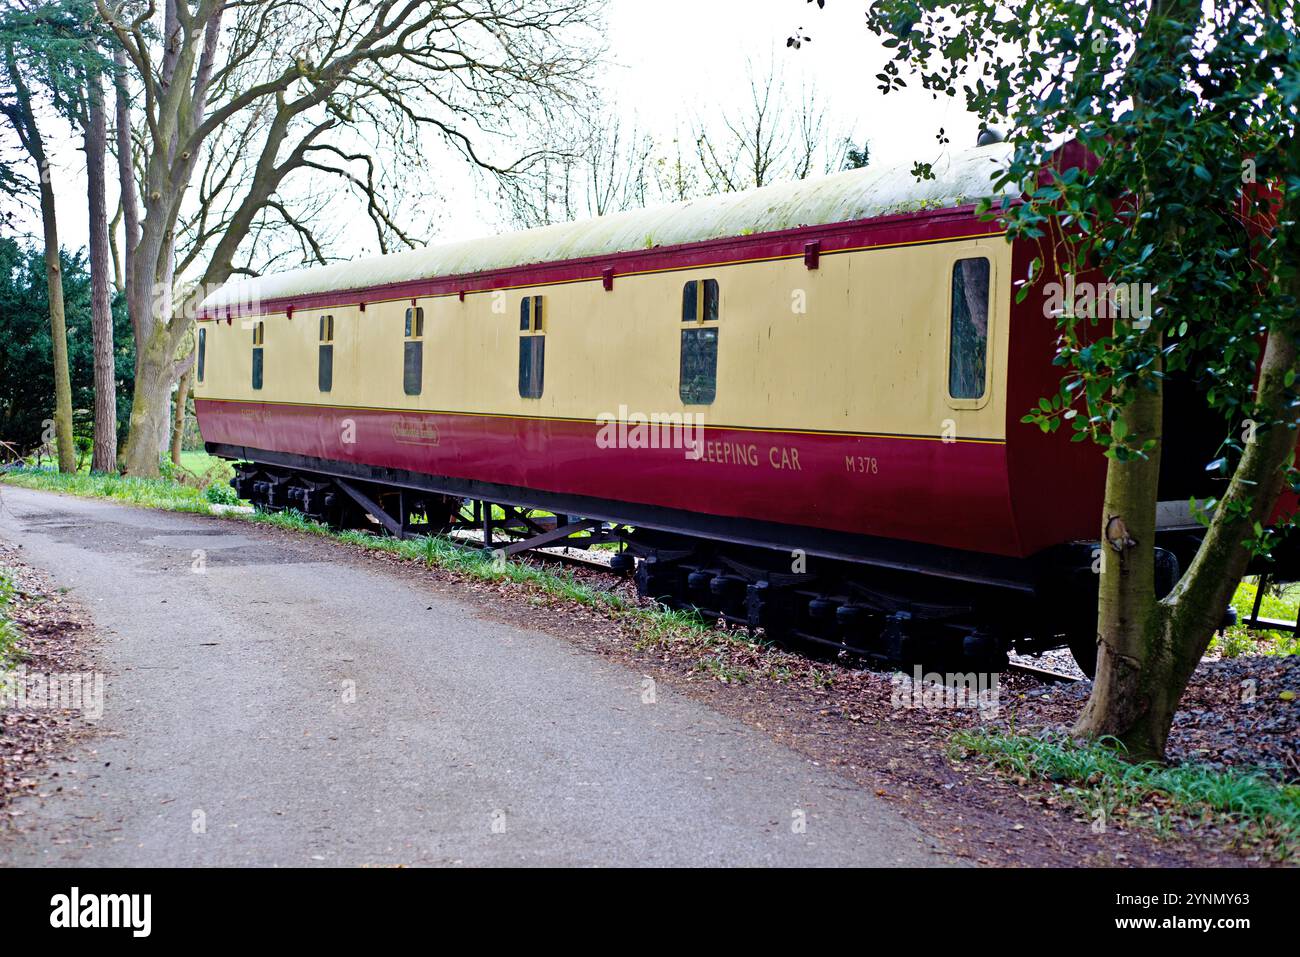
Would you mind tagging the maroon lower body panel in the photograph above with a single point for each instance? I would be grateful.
(916, 489)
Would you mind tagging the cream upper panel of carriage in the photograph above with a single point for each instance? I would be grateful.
(861, 344)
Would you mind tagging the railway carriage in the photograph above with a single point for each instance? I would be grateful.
(796, 408)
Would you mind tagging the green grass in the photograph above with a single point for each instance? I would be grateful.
(1278, 602)
(205, 466)
(9, 633)
(1095, 776)
(151, 493)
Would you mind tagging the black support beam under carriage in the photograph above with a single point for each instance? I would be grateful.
(370, 505)
(555, 536)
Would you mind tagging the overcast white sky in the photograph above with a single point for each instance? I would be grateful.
(671, 60)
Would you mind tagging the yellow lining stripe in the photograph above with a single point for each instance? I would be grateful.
(559, 418)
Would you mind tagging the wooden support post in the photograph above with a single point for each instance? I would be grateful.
(552, 537)
(1260, 585)
(371, 506)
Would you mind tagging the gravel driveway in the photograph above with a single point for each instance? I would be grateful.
(275, 701)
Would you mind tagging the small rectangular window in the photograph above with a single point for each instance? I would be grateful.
(532, 366)
(700, 301)
(413, 367)
(968, 345)
(415, 322)
(530, 314)
(259, 337)
(326, 328)
(325, 372)
(203, 352)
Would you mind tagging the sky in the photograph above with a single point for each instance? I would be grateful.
(670, 61)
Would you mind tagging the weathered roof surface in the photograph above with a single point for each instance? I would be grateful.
(962, 177)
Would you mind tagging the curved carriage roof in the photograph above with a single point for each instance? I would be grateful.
(960, 177)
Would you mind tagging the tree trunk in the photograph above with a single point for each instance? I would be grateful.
(126, 182)
(58, 330)
(1148, 649)
(150, 406)
(178, 414)
(1129, 617)
(101, 315)
(21, 116)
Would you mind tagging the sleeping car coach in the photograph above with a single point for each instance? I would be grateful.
(795, 408)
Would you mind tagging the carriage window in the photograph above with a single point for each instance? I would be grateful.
(700, 301)
(968, 346)
(699, 362)
(530, 314)
(259, 337)
(413, 352)
(532, 348)
(325, 369)
(203, 352)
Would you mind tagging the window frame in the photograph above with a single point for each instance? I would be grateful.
(258, 371)
(688, 326)
(413, 344)
(532, 326)
(201, 353)
(416, 312)
(991, 324)
(325, 355)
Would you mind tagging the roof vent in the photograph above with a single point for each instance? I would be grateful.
(988, 135)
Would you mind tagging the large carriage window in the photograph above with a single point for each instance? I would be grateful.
(532, 348)
(325, 372)
(413, 352)
(259, 337)
(699, 369)
(968, 347)
(203, 352)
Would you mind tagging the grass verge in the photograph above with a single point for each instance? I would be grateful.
(1095, 777)
(9, 633)
(1279, 602)
(151, 493)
